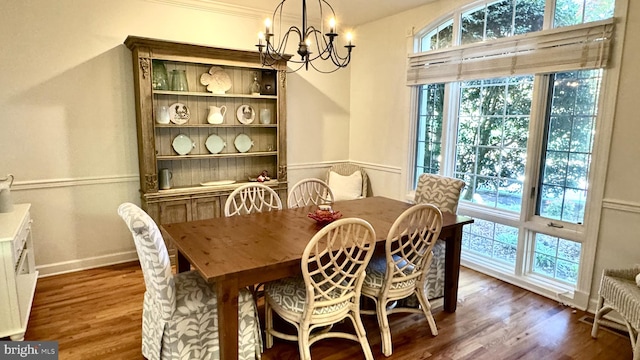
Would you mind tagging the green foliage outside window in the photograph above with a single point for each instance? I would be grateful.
(493, 117)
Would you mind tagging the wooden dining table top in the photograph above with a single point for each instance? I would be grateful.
(253, 244)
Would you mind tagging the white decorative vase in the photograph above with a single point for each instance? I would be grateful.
(265, 116)
(162, 115)
(216, 114)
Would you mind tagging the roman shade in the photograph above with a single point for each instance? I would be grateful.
(584, 46)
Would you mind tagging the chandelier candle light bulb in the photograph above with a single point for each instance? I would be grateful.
(267, 26)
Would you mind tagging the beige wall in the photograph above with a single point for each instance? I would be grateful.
(67, 129)
(380, 133)
(68, 119)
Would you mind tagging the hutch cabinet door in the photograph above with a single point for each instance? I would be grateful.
(206, 207)
(174, 211)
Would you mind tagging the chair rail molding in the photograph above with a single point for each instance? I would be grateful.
(69, 182)
(621, 205)
(328, 164)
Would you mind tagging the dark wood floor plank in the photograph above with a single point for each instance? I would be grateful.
(96, 314)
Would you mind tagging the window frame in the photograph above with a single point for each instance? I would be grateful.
(527, 222)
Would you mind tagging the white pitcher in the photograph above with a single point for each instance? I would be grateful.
(6, 205)
(216, 114)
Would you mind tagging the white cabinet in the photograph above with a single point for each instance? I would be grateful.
(18, 273)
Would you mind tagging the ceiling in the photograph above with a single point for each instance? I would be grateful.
(351, 12)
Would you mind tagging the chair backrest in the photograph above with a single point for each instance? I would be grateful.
(251, 198)
(442, 191)
(309, 191)
(153, 256)
(334, 261)
(346, 169)
(410, 242)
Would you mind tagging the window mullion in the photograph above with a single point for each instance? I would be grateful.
(450, 128)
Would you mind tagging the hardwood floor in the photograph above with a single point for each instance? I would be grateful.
(96, 314)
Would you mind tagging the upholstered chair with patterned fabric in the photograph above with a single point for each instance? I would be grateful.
(620, 291)
(443, 192)
(328, 291)
(401, 272)
(179, 314)
(309, 192)
(347, 181)
(252, 198)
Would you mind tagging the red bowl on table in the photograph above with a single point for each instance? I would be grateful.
(324, 217)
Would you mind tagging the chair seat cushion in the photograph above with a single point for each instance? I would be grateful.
(376, 270)
(291, 295)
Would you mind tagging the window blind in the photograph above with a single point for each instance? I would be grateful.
(584, 46)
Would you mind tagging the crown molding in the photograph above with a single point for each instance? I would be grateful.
(224, 9)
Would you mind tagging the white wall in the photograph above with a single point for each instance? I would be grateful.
(380, 121)
(67, 129)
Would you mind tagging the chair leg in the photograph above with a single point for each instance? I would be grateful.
(600, 312)
(636, 347)
(385, 332)
(268, 324)
(362, 336)
(303, 342)
(596, 325)
(426, 309)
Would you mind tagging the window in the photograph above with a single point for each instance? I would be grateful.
(522, 142)
(491, 146)
(429, 131)
(567, 145)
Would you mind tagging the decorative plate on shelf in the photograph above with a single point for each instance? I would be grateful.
(215, 144)
(243, 143)
(245, 114)
(218, 183)
(183, 144)
(216, 80)
(179, 113)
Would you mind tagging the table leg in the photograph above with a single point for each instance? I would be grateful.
(452, 270)
(183, 264)
(227, 293)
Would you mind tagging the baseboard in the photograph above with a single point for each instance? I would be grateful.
(84, 264)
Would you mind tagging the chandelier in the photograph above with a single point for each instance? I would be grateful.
(313, 42)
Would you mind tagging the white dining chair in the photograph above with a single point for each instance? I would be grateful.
(328, 291)
(180, 311)
(251, 198)
(309, 192)
(401, 272)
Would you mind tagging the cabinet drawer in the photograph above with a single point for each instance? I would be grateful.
(20, 240)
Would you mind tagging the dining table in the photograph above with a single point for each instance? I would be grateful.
(240, 251)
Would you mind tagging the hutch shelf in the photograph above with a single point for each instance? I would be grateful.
(244, 146)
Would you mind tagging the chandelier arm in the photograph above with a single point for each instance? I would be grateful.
(325, 47)
(324, 71)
